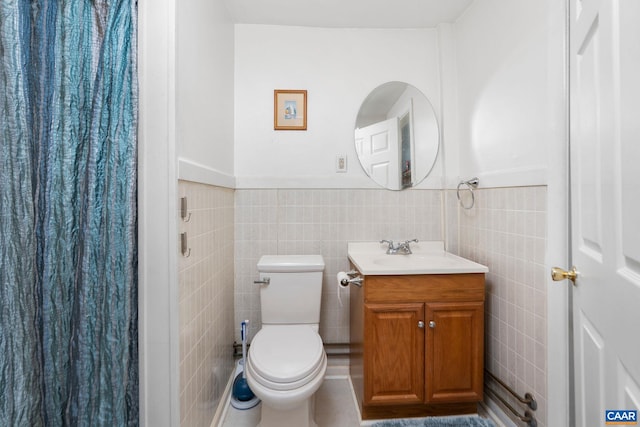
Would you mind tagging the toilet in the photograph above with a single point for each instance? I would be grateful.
(286, 361)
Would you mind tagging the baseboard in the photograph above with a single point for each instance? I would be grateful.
(495, 412)
(354, 399)
(225, 402)
(337, 366)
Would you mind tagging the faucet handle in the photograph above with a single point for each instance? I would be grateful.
(390, 249)
(406, 247)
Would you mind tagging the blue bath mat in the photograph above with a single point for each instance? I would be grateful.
(436, 422)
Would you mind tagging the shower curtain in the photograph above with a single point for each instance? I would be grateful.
(68, 239)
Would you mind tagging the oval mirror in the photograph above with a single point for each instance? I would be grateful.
(397, 136)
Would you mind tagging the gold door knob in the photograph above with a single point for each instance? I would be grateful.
(558, 274)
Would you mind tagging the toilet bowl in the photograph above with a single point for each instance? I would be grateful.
(287, 362)
(286, 365)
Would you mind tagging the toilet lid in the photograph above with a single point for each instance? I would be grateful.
(285, 354)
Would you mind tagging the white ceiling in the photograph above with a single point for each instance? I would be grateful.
(347, 13)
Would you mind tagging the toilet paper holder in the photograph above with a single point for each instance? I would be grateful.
(352, 279)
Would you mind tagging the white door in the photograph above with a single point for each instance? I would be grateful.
(379, 152)
(605, 204)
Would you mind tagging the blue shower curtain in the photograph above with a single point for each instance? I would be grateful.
(68, 216)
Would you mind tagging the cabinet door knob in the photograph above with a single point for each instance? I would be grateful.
(420, 324)
(432, 324)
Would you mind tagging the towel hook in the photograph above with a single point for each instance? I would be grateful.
(184, 245)
(471, 185)
(184, 211)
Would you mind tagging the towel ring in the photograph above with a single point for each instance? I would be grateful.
(471, 185)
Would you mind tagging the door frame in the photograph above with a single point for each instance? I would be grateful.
(559, 302)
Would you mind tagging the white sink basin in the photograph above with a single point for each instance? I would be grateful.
(427, 258)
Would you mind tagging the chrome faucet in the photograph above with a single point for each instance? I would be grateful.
(403, 248)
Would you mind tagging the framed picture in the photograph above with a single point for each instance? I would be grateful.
(290, 109)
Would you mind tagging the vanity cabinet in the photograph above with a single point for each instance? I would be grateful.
(417, 344)
(394, 353)
(454, 355)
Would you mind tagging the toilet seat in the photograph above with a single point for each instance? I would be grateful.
(286, 357)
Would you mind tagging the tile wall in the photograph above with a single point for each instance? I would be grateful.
(506, 231)
(205, 301)
(322, 221)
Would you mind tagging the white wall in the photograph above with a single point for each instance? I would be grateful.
(510, 62)
(204, 92)
(338, 68)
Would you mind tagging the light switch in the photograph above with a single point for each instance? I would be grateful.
(341, 163)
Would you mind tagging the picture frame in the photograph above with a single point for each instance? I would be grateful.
(289, 109)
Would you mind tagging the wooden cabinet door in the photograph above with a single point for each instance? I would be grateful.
(455, 350)
(393, 353)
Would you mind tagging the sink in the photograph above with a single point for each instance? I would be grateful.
(427, 258)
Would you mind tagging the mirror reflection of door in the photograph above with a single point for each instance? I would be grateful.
(377, 146)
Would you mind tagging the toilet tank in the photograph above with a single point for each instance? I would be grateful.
(294, 291)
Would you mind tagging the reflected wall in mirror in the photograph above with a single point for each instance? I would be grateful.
(397, 136)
